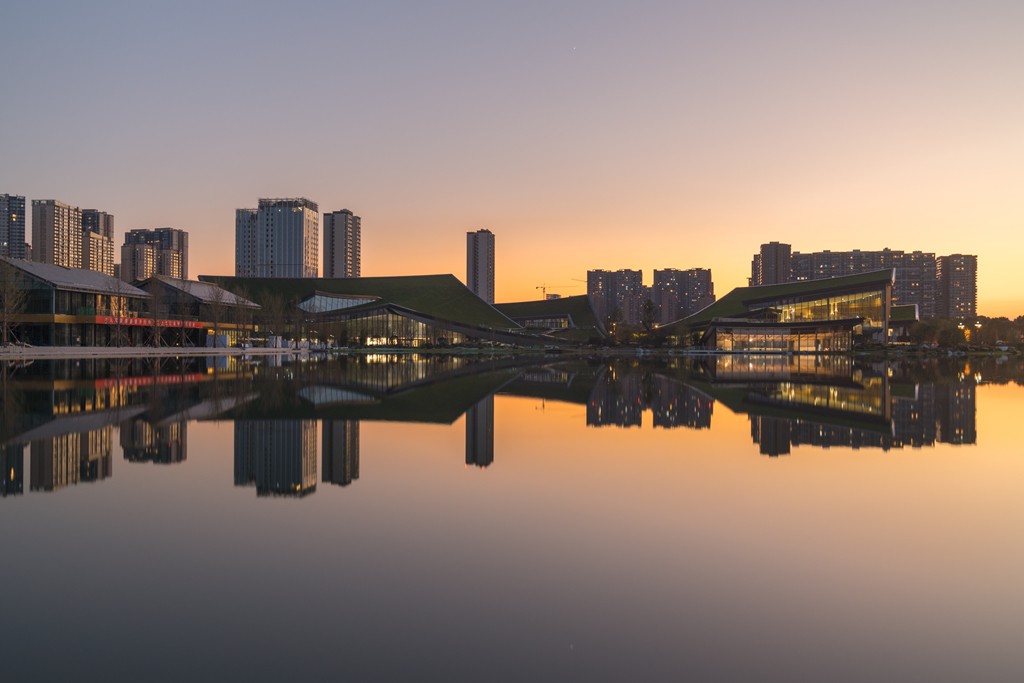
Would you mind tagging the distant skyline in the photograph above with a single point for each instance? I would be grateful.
(586, 135)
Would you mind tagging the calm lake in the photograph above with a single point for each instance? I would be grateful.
(402, 517)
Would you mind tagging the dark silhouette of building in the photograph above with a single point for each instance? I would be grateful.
(679, 293)
(616, 295)
(480, 433)
(771, 266)
(480, 264)
(958, 286)
(340, 451)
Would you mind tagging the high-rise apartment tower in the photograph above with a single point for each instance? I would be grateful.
(480, 264)
(279, 238)
(56, 233)
(341, 244)
(98, 241)
(161, 251)
(12, 226)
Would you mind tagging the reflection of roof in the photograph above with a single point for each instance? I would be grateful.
(904, 314)
(737, 303)
(206, 293)
(578, 308)
(76, 279)
(439, 296)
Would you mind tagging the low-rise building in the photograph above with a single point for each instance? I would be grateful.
(797, 317)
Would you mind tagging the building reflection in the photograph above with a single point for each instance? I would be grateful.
(67, 459)
(12, 470)
(616, 399)
(340, 451)
(480, 433)
(278, 457)
(933, 413)
(163, 444)
(674, 404)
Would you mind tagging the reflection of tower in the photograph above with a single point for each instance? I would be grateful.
(956, 411)
(773, 434)
(67, 459)
(674, 404)
(278, 456)
(616, 400)
(480, 433)
(913, 419)
(12, 470)
(340, 458)
(163, 444)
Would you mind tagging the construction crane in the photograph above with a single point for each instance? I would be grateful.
(544, 288)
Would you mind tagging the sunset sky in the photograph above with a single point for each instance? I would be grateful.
(584, 134)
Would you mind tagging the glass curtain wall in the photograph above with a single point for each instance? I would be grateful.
(867, 305)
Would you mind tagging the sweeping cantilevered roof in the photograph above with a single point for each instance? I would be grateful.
(441, 297)
(739, 302)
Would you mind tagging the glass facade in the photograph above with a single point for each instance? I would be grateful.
(869, 398)
(782, 339)
(384, 328)
(867, 305)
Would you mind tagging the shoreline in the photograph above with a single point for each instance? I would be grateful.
(55, 352)
(15, 353)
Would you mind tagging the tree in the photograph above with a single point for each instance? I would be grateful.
(157, 309)
(647, 312)
(13, 298)
(218, 306)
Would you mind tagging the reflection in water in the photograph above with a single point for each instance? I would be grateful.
(653, 552)
(616, 399)
(67, 412)
(277, 456)
(480, 433)
(340, 451)
(67, 459)
(12, 470)
(163, 444)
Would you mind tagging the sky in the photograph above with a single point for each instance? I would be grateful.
(584, 134)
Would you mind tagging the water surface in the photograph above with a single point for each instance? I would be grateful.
(447, 518)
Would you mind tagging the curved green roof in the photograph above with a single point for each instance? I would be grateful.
(438, 296)
(577, 307)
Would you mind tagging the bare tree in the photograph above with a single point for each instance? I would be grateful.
(13, 298)
(119, 310)
(157, 309)
(218, 304)
(274, 314)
